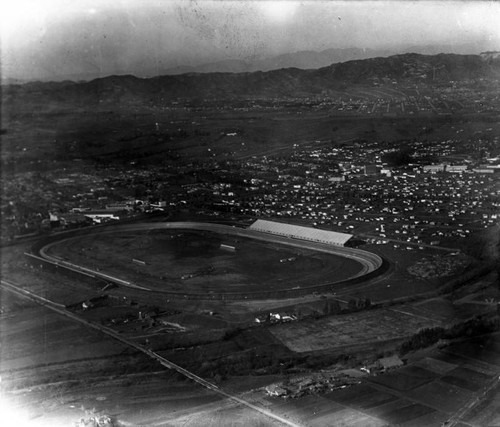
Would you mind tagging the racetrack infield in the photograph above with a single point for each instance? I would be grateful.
(194, 261)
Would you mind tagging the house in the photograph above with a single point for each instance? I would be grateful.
(71, 219)
(117, 207)
(486, 170)
(276, 390)
(391, 362)
(456, 168)
(434, 168)
(371, 170)
(99, 216)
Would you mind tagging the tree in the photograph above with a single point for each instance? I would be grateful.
(139, 191)
(326, 308)
(334, 307)
(399, 157)
(422, 339)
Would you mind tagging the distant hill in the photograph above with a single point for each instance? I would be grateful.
(84, 69)
(12, 81)
(305, 60)
(309, 59)
(429, 68)
(490, 55)
(287, 82)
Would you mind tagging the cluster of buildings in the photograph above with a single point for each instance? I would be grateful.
(34, 203)
(383, 97)
(480, 169)
(307, 385)
(336, 188)
(320, 383)
(448, 188)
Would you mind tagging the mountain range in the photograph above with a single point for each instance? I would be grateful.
(309, 59)
(286, 82)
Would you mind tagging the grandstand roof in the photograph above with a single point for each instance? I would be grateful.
(300, 232)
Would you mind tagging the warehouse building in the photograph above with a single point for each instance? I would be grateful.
(299, 232)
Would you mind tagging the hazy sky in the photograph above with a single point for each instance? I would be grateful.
(53, 38)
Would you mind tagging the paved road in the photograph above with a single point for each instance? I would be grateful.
(58, 308)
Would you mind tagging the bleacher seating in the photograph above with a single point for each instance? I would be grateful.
(300, 232)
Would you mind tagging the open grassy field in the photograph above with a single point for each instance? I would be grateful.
(196, 262)
(39, 345)
(350, 329)
(406, 378)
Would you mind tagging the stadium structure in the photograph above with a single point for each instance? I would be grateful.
(299, 232)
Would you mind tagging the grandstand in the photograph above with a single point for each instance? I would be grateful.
(298, 232)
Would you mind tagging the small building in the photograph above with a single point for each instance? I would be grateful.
(434, 168)
(117, 207)
(390, 362)
(54, 220)
(276, 390)
(371, 170)
(483, 171)
(340, 178)
(71, 219)
(101, 216)
(456, 168)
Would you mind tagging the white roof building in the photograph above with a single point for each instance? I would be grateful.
(299, 232)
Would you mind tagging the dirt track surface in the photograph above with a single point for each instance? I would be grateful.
(345, 263)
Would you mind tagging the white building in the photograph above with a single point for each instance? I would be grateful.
(299, 232)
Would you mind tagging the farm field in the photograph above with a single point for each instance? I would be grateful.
(319, 411)
(350, 329)
(141, 399)
(419, 394)
(94, 375)
(108, 133)
(195, 261)
(223, 414)
(232, 311)
(487, 413)
(121, 383)
(314, 411)
(429, 391)
(125, 385)
(121, 131)
(56, 339)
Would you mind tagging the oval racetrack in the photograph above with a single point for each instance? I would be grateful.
(370, 263)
